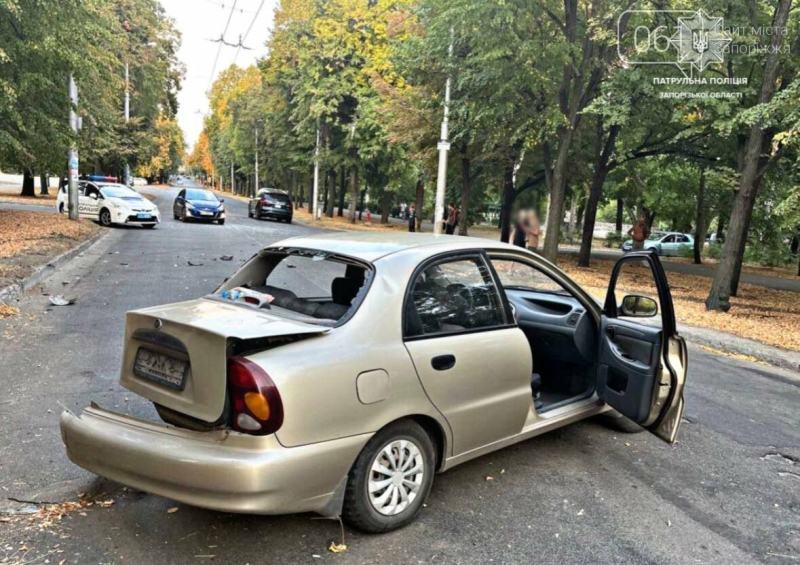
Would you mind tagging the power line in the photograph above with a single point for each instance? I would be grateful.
(252, 22)
(222, 37)
(223, 6)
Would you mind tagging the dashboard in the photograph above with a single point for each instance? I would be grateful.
(557, 325)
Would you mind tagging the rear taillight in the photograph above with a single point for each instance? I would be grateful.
(256, 403)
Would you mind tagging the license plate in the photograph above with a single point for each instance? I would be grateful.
(279, 205)
(206, 213)
(163, 369)
(142, 216)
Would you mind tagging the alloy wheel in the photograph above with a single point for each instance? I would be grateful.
(105, 217)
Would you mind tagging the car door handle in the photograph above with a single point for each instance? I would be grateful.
(611, 332)
(443, 362)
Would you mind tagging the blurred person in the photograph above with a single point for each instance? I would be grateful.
(639, 232)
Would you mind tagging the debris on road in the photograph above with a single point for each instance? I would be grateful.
(172, 510)
(6, 311)
(195, 264)
(337, 547)
(226, 258)
(60, 300)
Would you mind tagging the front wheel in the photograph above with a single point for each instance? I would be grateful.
(149, 226)
(391, 479)
(221, 222)
(105, 217)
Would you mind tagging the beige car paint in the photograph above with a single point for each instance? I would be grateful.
(326, 423)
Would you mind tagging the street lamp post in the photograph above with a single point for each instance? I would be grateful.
(127, 119)
(72, 157)
(444, 147)
(255, 186)
(316, 180)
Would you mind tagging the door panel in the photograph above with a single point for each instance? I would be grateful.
(473, 364)
(642, 364)
(485, 395)
(629, 358)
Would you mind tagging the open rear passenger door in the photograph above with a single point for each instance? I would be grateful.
(642, 366)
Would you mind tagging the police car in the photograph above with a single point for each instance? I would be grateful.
(110, 203)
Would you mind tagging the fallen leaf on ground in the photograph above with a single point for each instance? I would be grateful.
(172, 510)
(337, 547)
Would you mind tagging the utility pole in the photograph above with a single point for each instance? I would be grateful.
(316, 179)
(444, 147)
(127, 118)
(233, 182)
(255, 186)
(72, 156)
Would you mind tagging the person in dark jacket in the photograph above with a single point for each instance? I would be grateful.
(412, 218)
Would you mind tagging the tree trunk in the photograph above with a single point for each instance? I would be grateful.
(386, 205)
(720, 227)
(362, 197)
(558, 198)
(620, 210)
(27, 184)
(342, 191)
(700, 221)
(419, 200)
(737, 269)
(507, 201)
(749, 175)
(351, 214)
(44, 184)
(603, 152)
(330, 194)
(466, 189)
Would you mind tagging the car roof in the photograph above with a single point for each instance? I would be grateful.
(371, 246)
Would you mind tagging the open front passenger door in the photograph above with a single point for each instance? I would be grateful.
(642, 366)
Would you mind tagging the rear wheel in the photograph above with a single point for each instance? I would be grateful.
(391, 478)
(105, 217)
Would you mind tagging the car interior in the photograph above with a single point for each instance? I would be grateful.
(311, 286)
(460, 295)
(562, 336)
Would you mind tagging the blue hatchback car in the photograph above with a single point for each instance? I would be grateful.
(198, 204)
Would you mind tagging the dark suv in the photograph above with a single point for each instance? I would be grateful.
(271, 203)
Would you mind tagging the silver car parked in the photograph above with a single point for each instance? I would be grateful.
(373, 362)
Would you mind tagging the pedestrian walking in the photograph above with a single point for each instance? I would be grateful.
(639, 232)
(452, 220)
(534, 229)
(412, 218)
(519, 233)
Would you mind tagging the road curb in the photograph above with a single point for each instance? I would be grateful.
(13, 291)
(736, 345)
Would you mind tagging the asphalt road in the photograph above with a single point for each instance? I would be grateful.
(728, 492)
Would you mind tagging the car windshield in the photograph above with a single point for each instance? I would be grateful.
(119, 191)
(314, 286)
(203, 195)
(656, 236)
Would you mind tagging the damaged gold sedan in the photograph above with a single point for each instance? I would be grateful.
(337, 374)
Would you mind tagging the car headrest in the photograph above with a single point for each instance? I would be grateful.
(344, 290)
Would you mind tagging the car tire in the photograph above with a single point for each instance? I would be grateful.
(61, 208)
(221, 222)
(183, 214)
(150, 226)
(289, 221)
(616, 421)
(249, 213)
(378, 511)
(105, 218)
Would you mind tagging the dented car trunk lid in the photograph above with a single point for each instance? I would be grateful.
(176, 355)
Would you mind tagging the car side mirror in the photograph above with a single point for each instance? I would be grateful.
(221, 200)
(93, 196)
(637, 306)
